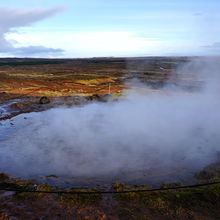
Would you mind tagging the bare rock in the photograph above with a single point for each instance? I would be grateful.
(106, 98)
(44, 100)
(94, 97)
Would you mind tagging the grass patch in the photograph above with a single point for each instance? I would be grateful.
(82, 199)
(178, 202)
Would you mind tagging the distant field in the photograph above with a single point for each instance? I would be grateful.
(67, 77)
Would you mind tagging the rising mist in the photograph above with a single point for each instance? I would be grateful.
(162, 132)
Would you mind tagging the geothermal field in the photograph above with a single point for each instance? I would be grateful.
(109, 124)
(136, 120)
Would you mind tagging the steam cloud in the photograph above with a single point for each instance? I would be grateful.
(159, 132)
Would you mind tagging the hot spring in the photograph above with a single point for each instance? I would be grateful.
(142, 138)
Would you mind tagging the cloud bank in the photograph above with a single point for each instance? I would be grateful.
(11, 19)
(90, 44)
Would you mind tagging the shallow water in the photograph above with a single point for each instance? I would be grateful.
(5, 108)
(38, 144)
(139, 139)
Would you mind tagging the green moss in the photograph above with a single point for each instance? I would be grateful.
(171, 185)
(44, 187)
(83, 199)
(24, 184)
(4, 177)
(173, 201)
(119, 186)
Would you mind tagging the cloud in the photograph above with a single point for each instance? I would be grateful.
(215, 45)
(89, 44)
(212, 49)
(36, 51)
(11, 19)
(198, 14)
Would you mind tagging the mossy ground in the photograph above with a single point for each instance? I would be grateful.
(190, 203)
(187, 203)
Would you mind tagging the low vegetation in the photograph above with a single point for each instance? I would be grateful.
(189, 203)
(66, 77)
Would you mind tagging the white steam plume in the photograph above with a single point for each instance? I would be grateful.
(156, 132)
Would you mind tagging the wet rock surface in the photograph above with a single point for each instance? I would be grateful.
(19, 105)
(14, 107)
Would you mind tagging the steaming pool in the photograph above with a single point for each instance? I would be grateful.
(101, 143)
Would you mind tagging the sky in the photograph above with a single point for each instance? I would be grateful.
(103, 28)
